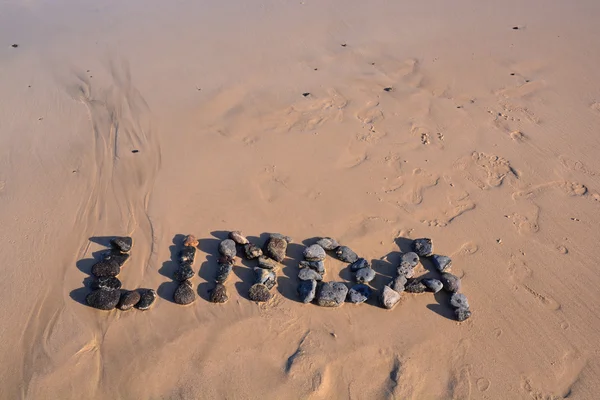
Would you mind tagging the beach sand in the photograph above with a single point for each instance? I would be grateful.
(485, 140)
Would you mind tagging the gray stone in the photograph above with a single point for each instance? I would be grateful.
(398, 283)
(459, 300)
(346, 254)
(276, 248)
(129, 298)
(265, 276)
(462, 314)
(451, 282)
(423, 247)
(223, 273)
(365, 275)
(259, 292)
(268, 263)
(389, 297)
(433, 285)
(184, 294)
(359, 294)
(147, 298)
(308, 274)
(115, 256)
(103, 299)
(184, 272)
(318, 266)
(328, 243)
(406, 270)
(107, 283)
(332, 294)
(410, 258)
(280, 236)
(219, 294)
(314, 253)
(237, 237)
(359, 264)
(187, 255)
(106, 268)
(307, 291)
(252, 251)
(414, 286)
(122, 243)
(441, 263)
(226, 260)
(227, 248)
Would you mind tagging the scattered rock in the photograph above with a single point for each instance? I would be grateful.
(280, 236)
(227, 248)
(409, 258)
(106, 268)
(359, 264)
(414, 286)
(191, 241)
(219, 294)
(268, 263)
(423, 247)
(398, 283)
(314, 253)
(107, 283)
(346, 254)
(237, 237)
(223, 273)
(226, 260)
(116, 256)
(307, 291)
(122, 243)
(389, 297)
(184, 272)
(359, 294)
(462, 314)
(451, 282)
(332, 294)
(103, 299)
(147, 298)
(308, 274)
(405, 270)
(441, 263)
(184, 294)
(328, 243)
(187, 255)
(434, 285)
(276, 248)
(259, 292)
(365, 275)
(129, 298)
(318, 266)
(252, 251)
(265, 276)
(459, 300)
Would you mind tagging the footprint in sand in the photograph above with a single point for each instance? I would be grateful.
(595, 107)
(370, 114)
(460, 381)
(271, 184)
(459, 202)
(569, 188)
(524, 90)
(527, 224)
(312, 112)
(420, 181)
(485, 170)
(559, 381)
(576, 165)
(522, 276)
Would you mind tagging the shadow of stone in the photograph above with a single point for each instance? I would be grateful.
(404, 244)
(287, 279)
(166, 290)
(204, 290)
(79, 295)
(221, 235)
(102, 240)
(85, 265)
(246, 275)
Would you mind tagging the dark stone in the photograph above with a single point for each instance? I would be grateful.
(441, 263)
(332, 294)
(122, 243)
(314, 253)
(398, 283)
(433, 285)
(226, 260)
(265, 276)
(387, 89)
(259, 292)
(359, 294)
(187, 255)
(129, 298)
(328, 243)
(462, 314)
(276, 248)
(405, 270)
(414, 286)
(389, 297)
(423, 247)
(227, 248)
(191, 241)
(409, 258)
(116, 256)
(359, 264)
(184, 272)
(451, 282)
(459, 300)
(307, 291)
(106, 268)
(308, 274)
(280, 236)
(223, 273)
(106, 283)
(184, 294)
(147, 298)
(318, 266)
(268, 263)
(237, 237)
(252, 251)
(365, 275)
(103, 299)
(219, 294)
(346, 254)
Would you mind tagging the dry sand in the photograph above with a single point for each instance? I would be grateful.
(487, 143)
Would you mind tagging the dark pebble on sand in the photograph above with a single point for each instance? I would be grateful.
(389, 297)
(314, 253)
(459, 300)
(184, 272)
(451, 282)
(122, 243)
(387, 89)
(219, 294)
(268, 263)
(359, 264)
(184, 294)
(237, 237)
(252, 251)
(259, 292)
(129, 298)
(133, 151)
(398, 283)
(433, 285)
(147, 298)
(306, 94)
(346, 254)
(227, 248)
(14, 45)
(280, 236)
(276, 248)
(365, 275)
(103, 299)
(116, 256)
(187, 255)
(223, 273)
(328, 243)
(423, 247)
(410, 258)
(332, 294)
(307, 291)
(414, 286)
(318, 266)
(106, 268)
(106, 283)
(359, 294)
(265, 276)
(308, 274)
(441, 263)
(462, 314)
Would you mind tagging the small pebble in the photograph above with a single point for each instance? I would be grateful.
(307, 291)
(276, 248)
(268, 263)
(191, 240)
(459, 300)
(129, 298)
(359, 264)
(423, 247)
(405, 270)
(314, 253)
(223, 273)
(184, 272)
(359, 294)
(219, 294)
(147, 298)
(414, 286)
(332, 294)
(122, 243)
(184, 294)
(252, 251)
(389, 297)
(237, 237)
(328, 243)
(308, 274)
(259, 292)
(365, 275)
(318, 266)
(227, 248)
(116, 256)
(441, 263)
(398, 283)
(107, 283)
(187, 255)
(265, 276)
(280, 236)
(451, 282)
(433, 285)
(346, 254)
(409, 258)
(105, 268)
(103, 299)
(462, 314)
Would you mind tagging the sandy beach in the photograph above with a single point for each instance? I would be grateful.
(473, 123)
